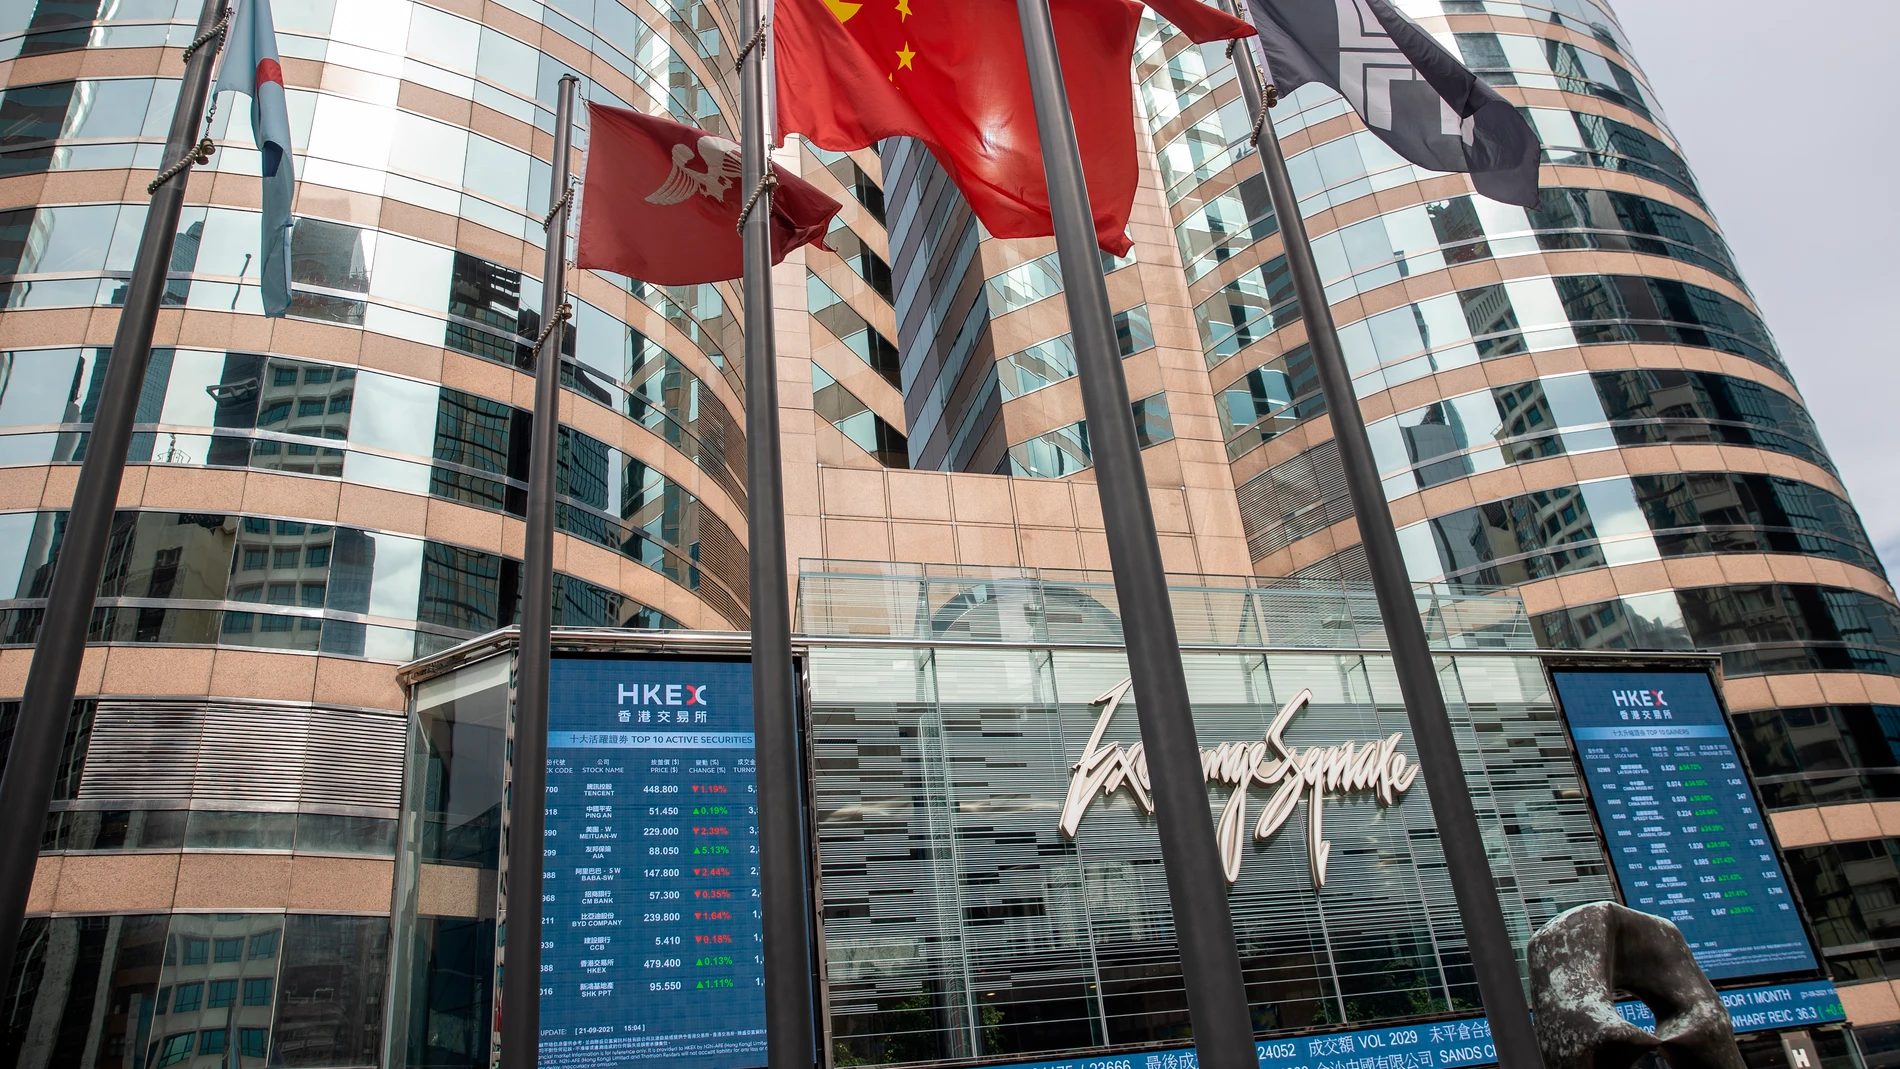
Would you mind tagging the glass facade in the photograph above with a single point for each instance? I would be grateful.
(312, 501)
(960, 923)
(189, 990)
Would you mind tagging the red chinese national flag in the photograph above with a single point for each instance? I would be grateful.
(952, 74)
(663, 202)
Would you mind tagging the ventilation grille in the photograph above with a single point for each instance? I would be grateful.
(244, 753)
(1289, 501)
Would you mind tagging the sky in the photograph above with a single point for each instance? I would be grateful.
(1786, 114)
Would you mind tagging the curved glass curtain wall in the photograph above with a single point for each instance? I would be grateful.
(1413, 240)
(1467, 327)
(1627, 520)
(1759, 628)
(313, 988)
(1583, 412)
(206, 408)
(1556, 415)
(261, 582)
(310, 418)
(388, 283)
(1223, 226)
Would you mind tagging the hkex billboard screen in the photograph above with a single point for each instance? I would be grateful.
(651, 942)
(1681, 823)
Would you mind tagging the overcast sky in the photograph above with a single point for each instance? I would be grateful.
(1787, 114)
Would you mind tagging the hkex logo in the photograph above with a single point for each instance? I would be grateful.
(1639, 699)
(673, 694)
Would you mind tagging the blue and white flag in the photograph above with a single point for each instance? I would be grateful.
(1408, 89)
(251, 67)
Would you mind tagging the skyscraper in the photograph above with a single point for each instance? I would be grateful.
(1581, 402)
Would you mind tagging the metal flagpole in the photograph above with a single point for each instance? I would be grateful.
(784, 886)
(27, 789)
(527, 800)
(1492, 957)
(1197, 887)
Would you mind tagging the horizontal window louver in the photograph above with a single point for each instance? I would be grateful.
(244, 753)
(1347, 566)
(1294, 499)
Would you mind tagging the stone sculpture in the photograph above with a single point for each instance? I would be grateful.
(1583, 957)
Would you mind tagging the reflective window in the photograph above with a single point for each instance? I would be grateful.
(1027, 283)
(859, 257)
(1849, 891)
(666, 398)
(1205, 149)
(853, 330)
(865, 428)
(856, 182)
(1524, 315)
(1428, 237)
(92, 123)
(1526, 421)
(1585, 139)
(1587, 17)
(1262, 405)
(1541, 63)
(1053, 361)
(280, 414)
(1183, 80)
(1065, 450)
(289, 584)
(1246, 310)
(1153, 425)
(1761, 629)
(1223, 226)
(157, 989)
(1822, 755)
(1619, 521)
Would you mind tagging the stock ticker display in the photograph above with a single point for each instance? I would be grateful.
(651, 941)
(1682, 825)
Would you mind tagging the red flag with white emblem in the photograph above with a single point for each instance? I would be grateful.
(663, 202)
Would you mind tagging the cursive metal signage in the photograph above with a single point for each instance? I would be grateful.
(1313, 772)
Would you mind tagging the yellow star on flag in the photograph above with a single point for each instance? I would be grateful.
(904, 56)
(903, 9)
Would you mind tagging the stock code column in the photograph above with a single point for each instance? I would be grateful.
(651, 940)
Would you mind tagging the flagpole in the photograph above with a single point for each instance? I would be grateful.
(1492, 957)
(527, 794)
(784, 887)
(1197, 887)
(27, 788)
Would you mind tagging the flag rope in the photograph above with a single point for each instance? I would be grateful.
(567, 198)
(766, 185)
(738, 63)
(1268, 99)
(201, 152)
(215, 31)
(561, 315)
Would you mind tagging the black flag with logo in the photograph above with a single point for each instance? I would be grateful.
(1411, 92)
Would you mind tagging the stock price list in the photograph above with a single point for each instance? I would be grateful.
(651, 940)
(1684, 831)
